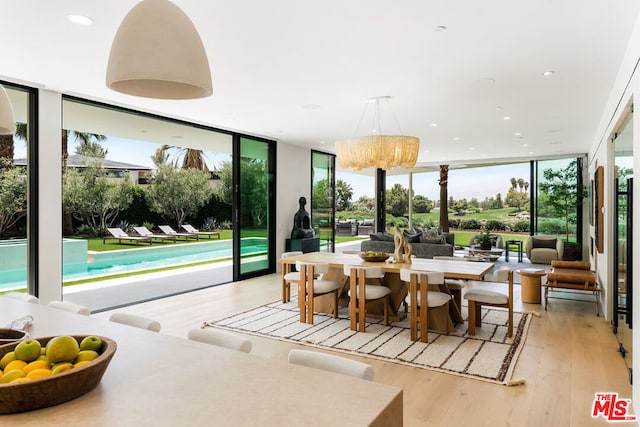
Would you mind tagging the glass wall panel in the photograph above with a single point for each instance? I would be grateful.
(132, 184)
(255, 220)
(14, 177)
(322, 198)
(622, 275)
(559, 199)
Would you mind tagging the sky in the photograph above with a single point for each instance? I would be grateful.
(463, 183)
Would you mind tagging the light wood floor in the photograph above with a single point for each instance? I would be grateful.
(569, 355)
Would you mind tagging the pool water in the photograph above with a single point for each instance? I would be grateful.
(98, 264)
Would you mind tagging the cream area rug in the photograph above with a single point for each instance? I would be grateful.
(489, 356)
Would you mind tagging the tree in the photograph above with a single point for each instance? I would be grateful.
(91, 149)
(521, 183)
(365, 204)
(422, 204)
(191, 158)
(319, 196)
(13, 195)
(177, 193)
(516, 199)
(397, 200)
(514, 183)
(444, 211)
(93, 198)
(563, 191)
(344, 193)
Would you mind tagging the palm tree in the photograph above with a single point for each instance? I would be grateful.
(514, 183)
(191, 158)
(526, 186)
(520, 183)
(444, 211)
(7, 144)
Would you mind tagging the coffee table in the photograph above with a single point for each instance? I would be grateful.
(477, 254)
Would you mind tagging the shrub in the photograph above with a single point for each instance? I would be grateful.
(148, 225)
(495, 225)
(470, 224)
(85, 230)
(552, 226)
(454, 223)
(520, 226)
(124, 226)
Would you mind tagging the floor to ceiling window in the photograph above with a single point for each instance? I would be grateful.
(16, 238)
(254, 235)
(127, 172)
(622, 228)
(323, 203)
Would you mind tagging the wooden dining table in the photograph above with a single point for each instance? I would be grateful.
(161, 380)
(452, 269)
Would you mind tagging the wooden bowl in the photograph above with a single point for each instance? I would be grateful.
(8, 336)
(378, 257)
(55, 389)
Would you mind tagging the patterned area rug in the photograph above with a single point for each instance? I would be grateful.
(489, 356)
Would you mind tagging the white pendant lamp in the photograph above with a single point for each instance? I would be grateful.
(157, 53)
(7, 124)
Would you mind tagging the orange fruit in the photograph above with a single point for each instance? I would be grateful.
(38, 373)
(11, 375)
(36, 364)
(16, 364)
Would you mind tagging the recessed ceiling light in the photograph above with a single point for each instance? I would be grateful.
(472, 148)
(80, 19)
(311, 107)
(506, 118)
(498, 108)
(517, 134)
(441, 28)
(530, 152)
(434, 124)
(548, 73)
(525, 145)
(455, 138)
(322, 142)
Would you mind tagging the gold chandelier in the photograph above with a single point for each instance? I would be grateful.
(378, 150)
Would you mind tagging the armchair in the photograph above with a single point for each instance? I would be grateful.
(544, 249)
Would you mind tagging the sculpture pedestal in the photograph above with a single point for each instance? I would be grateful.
(310, 244)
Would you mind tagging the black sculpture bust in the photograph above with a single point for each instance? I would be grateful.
(302, 222)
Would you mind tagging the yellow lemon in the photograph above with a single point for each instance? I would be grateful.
(38, 373)
(87, 355)
(80, 363)
(36, 364)
(11, 375)
(62, 349)
(9, 357)
(16, 364)
(60, 367)
(20, 380)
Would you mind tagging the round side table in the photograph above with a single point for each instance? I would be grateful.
(531, 291)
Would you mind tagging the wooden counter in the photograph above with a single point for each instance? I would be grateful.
(159, 380)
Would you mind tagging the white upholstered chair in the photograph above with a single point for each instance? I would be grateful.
(22, 297)
(310, 287)
(360, 294)
(69, 306)
(221, 339)
(421, 299)
(455, 286)
(477, 297)
(288, 276)
(136, 321)
(331, 363)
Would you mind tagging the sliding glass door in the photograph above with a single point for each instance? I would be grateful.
(323, 205)
(254, 196)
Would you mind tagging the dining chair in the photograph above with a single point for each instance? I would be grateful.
(477, 297)
(421, 299)
(69, 306)
(135, 321)
(331, 363)
(221, 339)
(360, 294)
(455, 286)
(23, 297)
(289, 276)
(309, 288)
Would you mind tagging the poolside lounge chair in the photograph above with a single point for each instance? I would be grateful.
(117, 233)
(166, 229)
(145, 232)
(190, 229)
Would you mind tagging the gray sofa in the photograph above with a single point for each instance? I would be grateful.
(420, 250)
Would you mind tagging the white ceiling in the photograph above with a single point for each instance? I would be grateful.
(301, 71)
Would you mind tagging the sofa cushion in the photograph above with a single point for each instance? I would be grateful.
(381, 237)
(543, 243)
(411, 237)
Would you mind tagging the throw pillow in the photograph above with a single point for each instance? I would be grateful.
(544, 243)
(411, 237)
(436, 240)
(381, 237)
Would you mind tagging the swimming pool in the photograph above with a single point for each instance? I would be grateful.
(98, 264)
